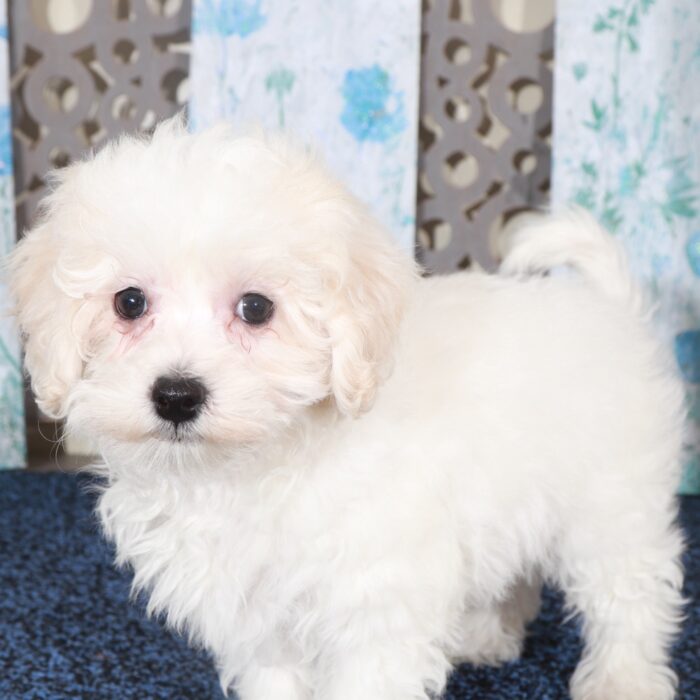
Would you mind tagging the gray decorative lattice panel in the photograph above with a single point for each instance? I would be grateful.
(485, 126)
(84, 71)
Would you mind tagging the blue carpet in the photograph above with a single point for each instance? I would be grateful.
(67, 629)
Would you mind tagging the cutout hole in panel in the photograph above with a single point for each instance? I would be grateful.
(61, 94)
(525, 162)
(458, 109)
(60, 16)
(123, 108)
(165, 8)
(523, 16)
(437, 234)
(526, 96)
(460, 170)
(458, 51)
(125, 51)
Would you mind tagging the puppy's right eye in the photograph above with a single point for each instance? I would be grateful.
(130, 303)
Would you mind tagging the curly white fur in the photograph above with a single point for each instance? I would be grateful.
(386, 470)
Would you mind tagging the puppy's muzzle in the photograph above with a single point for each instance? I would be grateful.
(178, 399)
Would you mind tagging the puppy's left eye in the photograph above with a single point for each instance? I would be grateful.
(254, 308)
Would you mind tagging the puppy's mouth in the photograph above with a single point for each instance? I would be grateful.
(178, 433)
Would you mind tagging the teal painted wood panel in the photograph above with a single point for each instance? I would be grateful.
(12, 430)
(342, 76)
(627, 147)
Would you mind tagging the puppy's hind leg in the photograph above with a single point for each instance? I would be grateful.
(494, 634)
(620, 569)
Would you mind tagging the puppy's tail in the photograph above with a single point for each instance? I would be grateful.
(574, 239)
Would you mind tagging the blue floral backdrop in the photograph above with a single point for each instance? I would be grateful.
(342, 75)
(12, 444)
(627, 147)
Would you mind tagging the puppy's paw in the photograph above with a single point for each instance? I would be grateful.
(627, 684)
(486, 640)
(271, 683)
(492, 653)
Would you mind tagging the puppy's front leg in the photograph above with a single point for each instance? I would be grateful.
(382, 657)
(493, 634)
(373, 673)
(272, 683)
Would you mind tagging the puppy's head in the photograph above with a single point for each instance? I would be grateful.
(204, 288)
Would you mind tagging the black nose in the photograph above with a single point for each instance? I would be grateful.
(178, 399)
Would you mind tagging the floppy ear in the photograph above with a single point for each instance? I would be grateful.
(368, 304)
(46, 315)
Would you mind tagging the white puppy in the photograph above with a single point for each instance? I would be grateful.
(337, 477)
